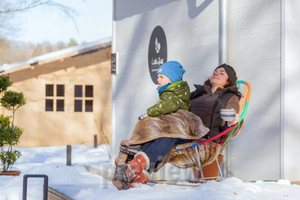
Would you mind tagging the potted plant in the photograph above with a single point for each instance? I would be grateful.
(9, 133)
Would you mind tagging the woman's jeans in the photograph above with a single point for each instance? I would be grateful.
(159, 148)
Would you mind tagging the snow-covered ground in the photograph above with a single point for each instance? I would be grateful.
(79, 184)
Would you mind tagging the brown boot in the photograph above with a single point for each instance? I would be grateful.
(127, 172)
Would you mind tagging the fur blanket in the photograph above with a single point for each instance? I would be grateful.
(181, 124)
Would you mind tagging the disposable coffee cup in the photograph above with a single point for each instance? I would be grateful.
(227, 114)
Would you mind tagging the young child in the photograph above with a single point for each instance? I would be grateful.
(174, 93)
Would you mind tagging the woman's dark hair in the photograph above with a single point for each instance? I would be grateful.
(231, 75)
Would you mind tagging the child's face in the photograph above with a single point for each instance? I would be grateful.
(163, 80)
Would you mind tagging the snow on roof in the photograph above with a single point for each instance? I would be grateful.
(56, 55)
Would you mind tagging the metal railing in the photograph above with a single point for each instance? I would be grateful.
(45, 187)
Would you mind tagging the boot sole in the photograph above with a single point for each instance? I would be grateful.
(122, 186)
(121, 174)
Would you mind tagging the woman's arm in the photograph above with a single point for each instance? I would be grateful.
(234, 103)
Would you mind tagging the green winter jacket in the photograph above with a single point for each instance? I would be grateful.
(175, 96)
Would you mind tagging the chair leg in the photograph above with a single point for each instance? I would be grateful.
(220, 171)
(199, 166)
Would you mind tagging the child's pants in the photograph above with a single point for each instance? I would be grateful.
(159, 148)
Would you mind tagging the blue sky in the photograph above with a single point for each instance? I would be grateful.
(44, 23)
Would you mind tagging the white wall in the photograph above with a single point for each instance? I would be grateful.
(254, 50)
(291, 72)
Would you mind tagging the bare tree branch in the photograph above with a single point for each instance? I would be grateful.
(22, 6)
(8, 9)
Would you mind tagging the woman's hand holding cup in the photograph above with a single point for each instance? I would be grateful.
(236, 119)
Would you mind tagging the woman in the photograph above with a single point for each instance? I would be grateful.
(218, 92)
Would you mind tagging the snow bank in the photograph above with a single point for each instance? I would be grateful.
(79, 184)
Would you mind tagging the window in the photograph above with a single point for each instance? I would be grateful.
(60, 104)
(78, 91)
(51, 91)
(60, 90)
(88, 91)
(83, 97)
(55, 98)
(78, 106)
(88, 105)
(49, 104)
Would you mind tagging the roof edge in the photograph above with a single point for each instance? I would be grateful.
(56, 55)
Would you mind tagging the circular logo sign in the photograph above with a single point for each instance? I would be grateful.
(157, 52)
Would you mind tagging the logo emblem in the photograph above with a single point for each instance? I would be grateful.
(157, 52)
(157, 46)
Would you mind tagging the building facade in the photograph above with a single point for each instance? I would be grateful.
(68, 95)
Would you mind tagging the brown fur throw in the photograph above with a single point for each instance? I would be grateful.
(181, 124)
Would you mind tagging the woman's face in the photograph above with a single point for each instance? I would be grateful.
(219, 78)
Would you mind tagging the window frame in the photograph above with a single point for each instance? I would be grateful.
(86, 98)
(57, 98)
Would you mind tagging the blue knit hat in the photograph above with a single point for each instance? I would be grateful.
(172, 69)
